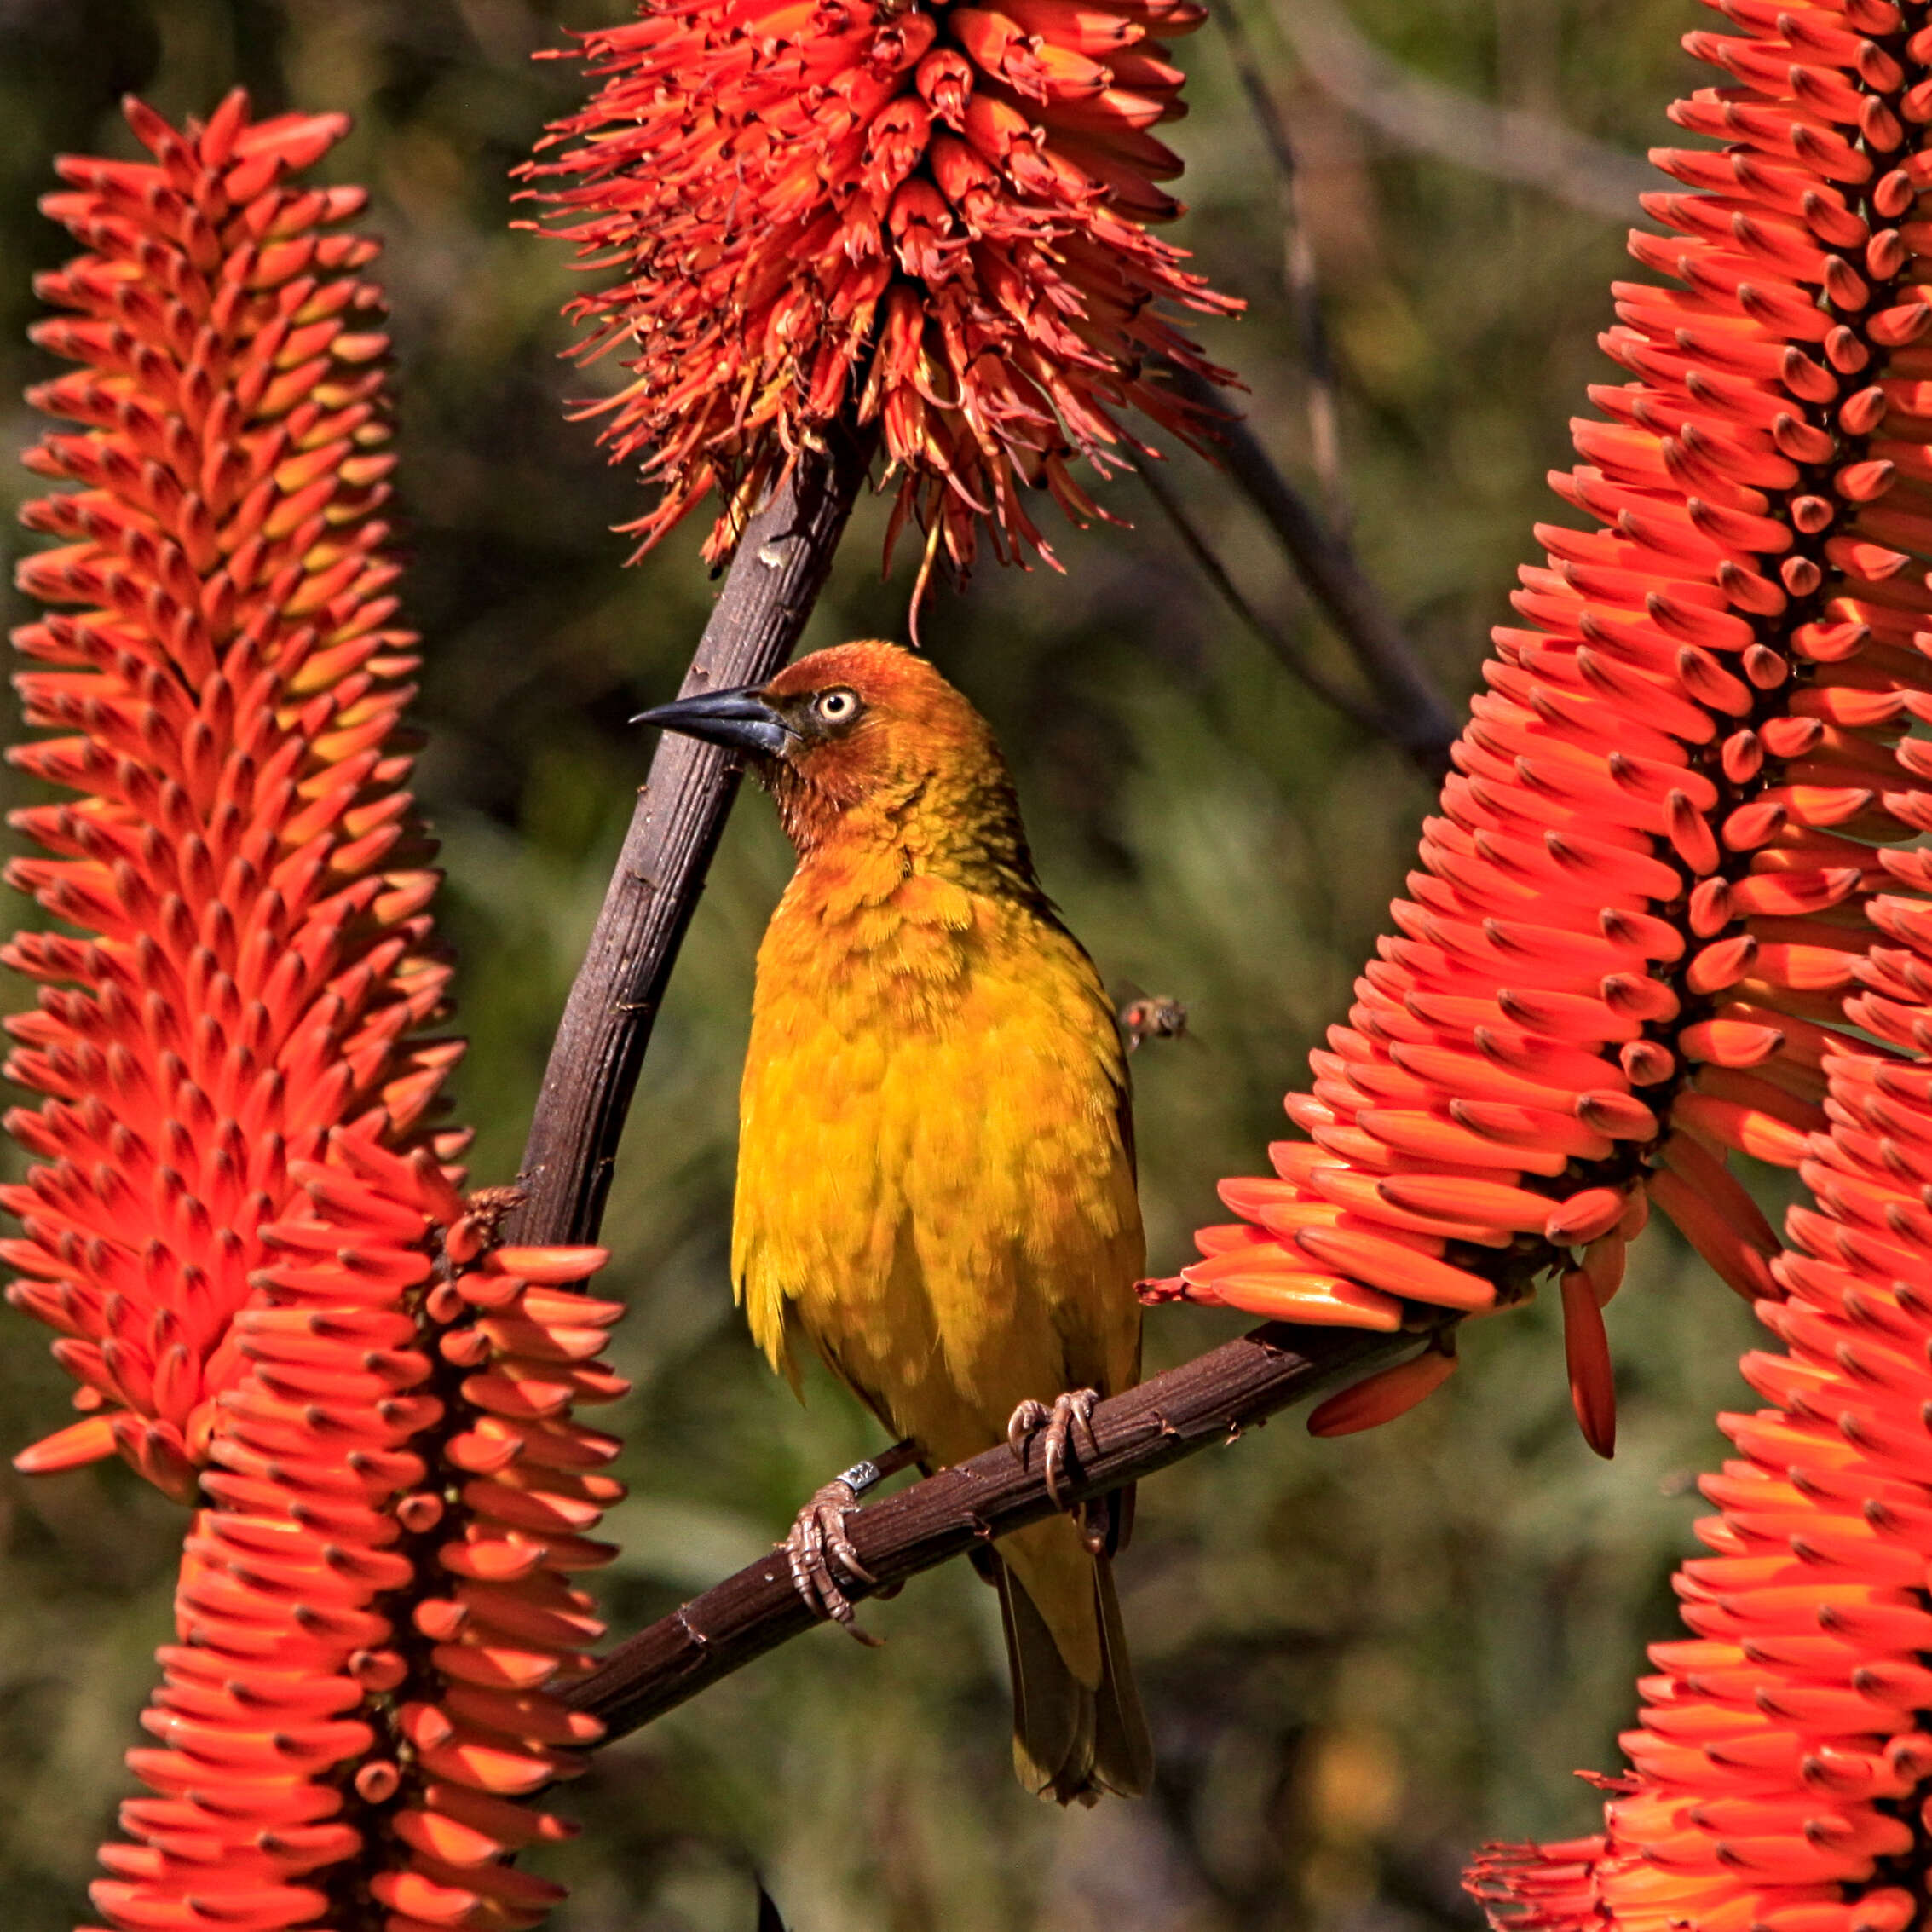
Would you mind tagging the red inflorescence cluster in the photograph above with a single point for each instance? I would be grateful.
(253, 959)
(934, 218)
(1783, 1771)
(372, 1614)
(276, 1301)
(1644, 902)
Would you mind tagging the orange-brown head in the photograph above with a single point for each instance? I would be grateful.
(863, 742)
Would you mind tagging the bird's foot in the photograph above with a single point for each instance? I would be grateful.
(818, 1539)
(1062, 1430)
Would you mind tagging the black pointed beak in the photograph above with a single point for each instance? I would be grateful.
(739, 720)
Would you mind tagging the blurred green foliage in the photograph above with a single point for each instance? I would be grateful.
(1360, 1657)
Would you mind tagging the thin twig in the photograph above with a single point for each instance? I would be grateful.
(1363, 715)
(1210, 1399)
(1413, 713)
(1298, 271)
(1424, 115)
(774, 579)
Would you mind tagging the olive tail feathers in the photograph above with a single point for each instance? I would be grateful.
(1072, 1742)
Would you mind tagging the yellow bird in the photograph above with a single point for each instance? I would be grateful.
(936, 1182)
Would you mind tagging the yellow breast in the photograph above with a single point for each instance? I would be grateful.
(934, 1183)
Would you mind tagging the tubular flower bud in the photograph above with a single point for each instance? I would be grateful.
(932, 219)
(1638, 915)
(246, 960)
(375, 1610)
(1782, 1765)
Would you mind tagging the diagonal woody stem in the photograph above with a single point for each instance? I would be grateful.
(1358, 711)
(776, 576)
(1208, 1400)
(1298, 269)
(1414, 714)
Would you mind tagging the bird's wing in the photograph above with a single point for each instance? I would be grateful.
(1108, 1040)
(1097, 1314)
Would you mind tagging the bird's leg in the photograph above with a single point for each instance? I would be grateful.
(1096, 1524)
(818, 1538)
(1064, 1427)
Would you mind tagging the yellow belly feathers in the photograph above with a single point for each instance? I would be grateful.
(933, 1186)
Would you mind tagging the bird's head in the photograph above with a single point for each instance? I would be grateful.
(857, 733)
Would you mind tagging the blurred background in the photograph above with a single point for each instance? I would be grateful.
(1361, 1657)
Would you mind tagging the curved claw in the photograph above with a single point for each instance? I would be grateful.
(1067, 1428)
(817, 1539)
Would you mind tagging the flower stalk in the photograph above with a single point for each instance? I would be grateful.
(592, 1072)
(1202, 1404)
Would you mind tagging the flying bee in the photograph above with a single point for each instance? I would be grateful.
(1151, 1016)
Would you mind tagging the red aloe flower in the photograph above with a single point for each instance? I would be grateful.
(275, 1298)
(1638, 913)
(372, 1616)
(241, 857)
(1783, 1771)
(935, 218)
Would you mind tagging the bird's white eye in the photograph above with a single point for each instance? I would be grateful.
(836, 707)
